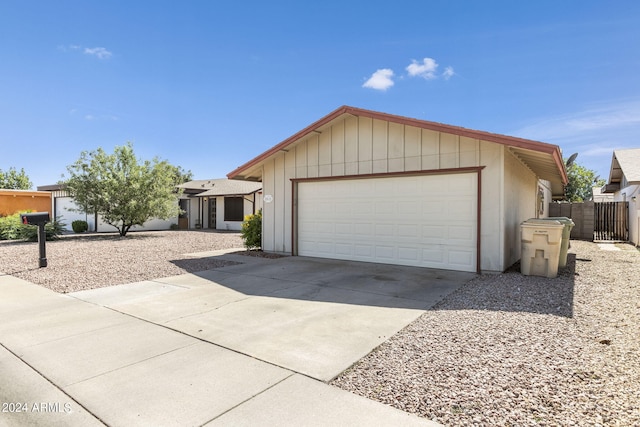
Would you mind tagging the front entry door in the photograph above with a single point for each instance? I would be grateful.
(212, 213)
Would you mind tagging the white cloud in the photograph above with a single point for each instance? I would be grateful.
(100, 52)
(593, 132)
(448, 73)
(598, 119)
(426, 69)
(383, 78)
(101, 117)
(380, 80)
(68, 47)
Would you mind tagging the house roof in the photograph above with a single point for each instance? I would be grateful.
(624, 163)
(220, 187)
(53, 187)
(545, 160)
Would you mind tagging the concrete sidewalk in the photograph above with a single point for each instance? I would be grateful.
(242, 345)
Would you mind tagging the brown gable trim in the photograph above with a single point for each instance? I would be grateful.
(511, 141)
(323, 121)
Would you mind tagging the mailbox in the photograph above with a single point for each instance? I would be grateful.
(39, 219)
(35, 218)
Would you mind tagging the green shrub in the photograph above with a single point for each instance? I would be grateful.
(11, 228)
(252, 231)
(79, 226)
(52, 231)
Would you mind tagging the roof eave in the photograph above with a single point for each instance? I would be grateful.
(216, 194)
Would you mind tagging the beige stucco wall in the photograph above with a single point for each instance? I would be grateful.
(361, 145)
(627, 194)
(520, 198)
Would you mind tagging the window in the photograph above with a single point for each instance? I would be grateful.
(233, 209)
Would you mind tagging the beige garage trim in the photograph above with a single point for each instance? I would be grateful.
(428, 219)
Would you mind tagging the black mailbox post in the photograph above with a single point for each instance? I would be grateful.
(39, 219)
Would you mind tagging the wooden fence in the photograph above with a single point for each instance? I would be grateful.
(611, 221)
(606, 221)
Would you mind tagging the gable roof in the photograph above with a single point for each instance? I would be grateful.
(545, 160)
(624, 163)
(220, 187)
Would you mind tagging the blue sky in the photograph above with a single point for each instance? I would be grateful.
(209, 85)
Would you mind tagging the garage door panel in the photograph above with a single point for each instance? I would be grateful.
(363, 251)
(427, 220)
(343, 228)
(460, 257)
(409, 231)
(345, 209)
(408, 207)
(386, 252)
(461, 208)
(433, 255)
(463, 233)
(385, 230)
(323, 249)
(408, 254)
(433, 205)
(433, 232)
(344, 249)
(383, 208)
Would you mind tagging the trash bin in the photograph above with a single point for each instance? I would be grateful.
(541, 241)
(566, 236)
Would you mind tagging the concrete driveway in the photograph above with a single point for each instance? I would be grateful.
(248, 343)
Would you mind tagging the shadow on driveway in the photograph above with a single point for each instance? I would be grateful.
(349, 282)
(335, 281)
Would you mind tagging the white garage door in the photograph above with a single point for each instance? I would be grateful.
(426, 220)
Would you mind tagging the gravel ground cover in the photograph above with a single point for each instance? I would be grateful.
(505, 349)
(77, 262)
(512, 350)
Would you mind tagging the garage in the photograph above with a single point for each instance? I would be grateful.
(370, 186)
(426, 220)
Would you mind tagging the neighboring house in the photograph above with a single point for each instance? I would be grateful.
(12, 201)
(624, 184)
(218, 203)
(599, 197)
(65, 209)
(211, 204)
(369, 186)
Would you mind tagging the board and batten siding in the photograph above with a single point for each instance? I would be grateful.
(362, 146)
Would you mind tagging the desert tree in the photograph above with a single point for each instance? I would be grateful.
(122, 189)
(14, 180)
(581, 181)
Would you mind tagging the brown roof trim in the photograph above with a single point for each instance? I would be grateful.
(323, 121)
(52, 187)
(511, 141)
